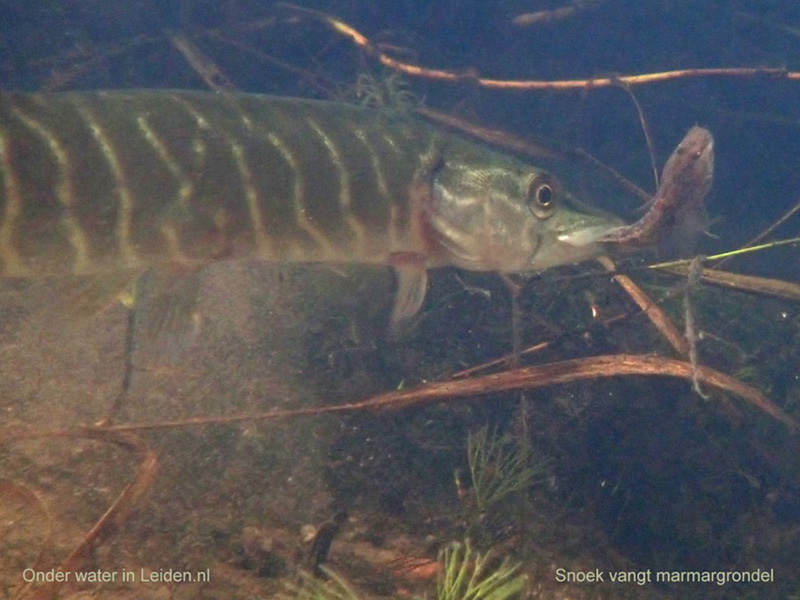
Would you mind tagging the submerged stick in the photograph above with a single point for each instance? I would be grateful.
(752, 242)
(744, 283)
(547, 17)
(25, 496)
(492, 136)
(653, 311)
(206, 68)
(611, 365)
(692, 336)
(114, 517)
(764, 286)
(572, 370)
(360, 40)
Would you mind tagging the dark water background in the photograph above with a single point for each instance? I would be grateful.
(671, 484)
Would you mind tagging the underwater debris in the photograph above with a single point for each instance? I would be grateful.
(763, 286)
(658, 317)
(553, 15)
(692, 281)
(204, 66)
(264, 551)
(114, 517)
(321, 544)
(415, 70)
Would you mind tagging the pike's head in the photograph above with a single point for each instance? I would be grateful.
(490, 212)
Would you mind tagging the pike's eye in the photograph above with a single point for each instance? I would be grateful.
(542, 196)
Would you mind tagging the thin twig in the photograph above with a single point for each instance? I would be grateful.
(116, 514)
(58, 80)
(657, 316)
(764, 286)
(611, 173)
(363, 42)
(29, 498)
(594, 367)
(206, 68)
(648, 140)
(491, 136)
(752, 242)
(546, 17)
(692, 281)
(316, 80)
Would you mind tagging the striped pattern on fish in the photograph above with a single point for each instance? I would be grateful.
(101, 182)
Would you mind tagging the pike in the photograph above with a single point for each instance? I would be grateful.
(107, 185)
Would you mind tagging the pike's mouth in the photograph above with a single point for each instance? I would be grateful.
(587, 235)
(573, 246)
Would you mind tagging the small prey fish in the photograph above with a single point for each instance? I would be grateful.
(685, 182)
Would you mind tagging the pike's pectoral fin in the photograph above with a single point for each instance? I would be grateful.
(168, 315)
(85, 296)
(412, 285)
(164, 305)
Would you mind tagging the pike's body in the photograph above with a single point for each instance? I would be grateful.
(99, 183)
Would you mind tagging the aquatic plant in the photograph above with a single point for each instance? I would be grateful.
(500, 467)
(311, 588)
(389, 90)
(466, 575)
(463, 574)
